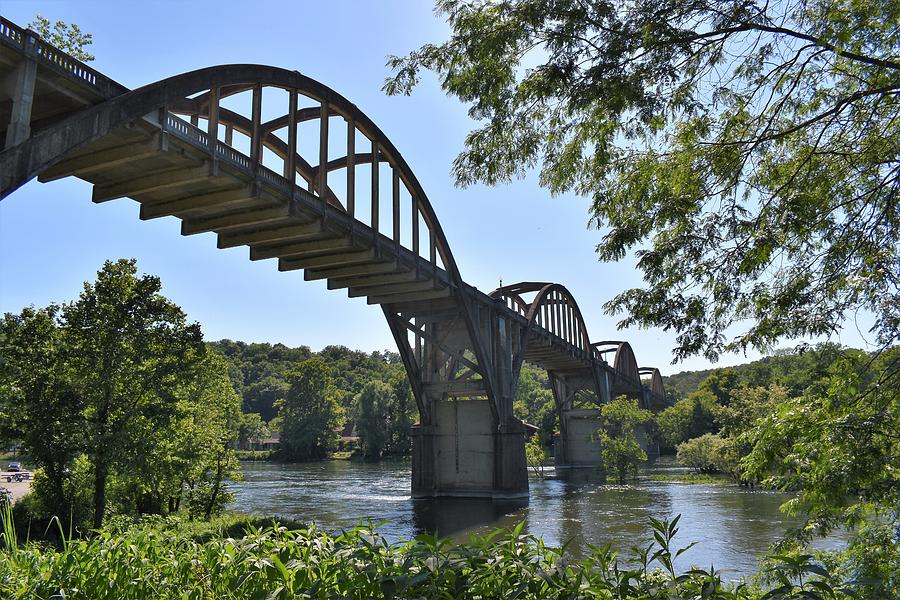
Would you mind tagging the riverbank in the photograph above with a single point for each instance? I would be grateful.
(164, 559)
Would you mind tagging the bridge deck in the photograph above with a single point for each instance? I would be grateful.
(168, 165)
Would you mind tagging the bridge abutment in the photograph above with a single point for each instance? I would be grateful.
(464, 454)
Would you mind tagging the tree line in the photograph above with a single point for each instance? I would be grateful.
(307, 396)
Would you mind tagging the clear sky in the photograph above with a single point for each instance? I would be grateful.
(52, 238)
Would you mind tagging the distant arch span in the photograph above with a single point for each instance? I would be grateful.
(624, 361)
(553, 308)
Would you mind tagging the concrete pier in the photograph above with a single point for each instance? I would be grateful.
(462, 454)
(578, 446)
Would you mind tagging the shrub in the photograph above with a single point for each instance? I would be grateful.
(704, 454)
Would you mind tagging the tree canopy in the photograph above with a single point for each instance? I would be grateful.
(116, 393)
(747, 152)
(68, 37)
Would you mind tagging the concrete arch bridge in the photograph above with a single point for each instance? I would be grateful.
(320, 188)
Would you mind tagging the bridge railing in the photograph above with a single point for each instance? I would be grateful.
(395, 208)
(31, 44)
(189, 130)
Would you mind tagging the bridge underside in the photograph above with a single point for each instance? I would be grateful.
(171, 147)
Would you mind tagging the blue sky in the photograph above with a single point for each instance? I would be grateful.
(52, 238)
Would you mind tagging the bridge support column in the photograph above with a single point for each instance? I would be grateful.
(21, 90)
(578, 445)
(463, 453)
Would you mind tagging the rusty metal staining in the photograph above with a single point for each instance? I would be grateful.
(173, 147)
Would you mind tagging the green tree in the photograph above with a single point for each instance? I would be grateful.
(39, 403)
(251, 430)
(621, 451)
(687, 419)
(67, 37)
(534, 402)
(310, 412)
(371, 412)
(703, 454)
(748, 152)
(535, 455)
(403, 414)
(209, 423)
(191, 456)
(837, 449)
(261, 396)
(129, 347)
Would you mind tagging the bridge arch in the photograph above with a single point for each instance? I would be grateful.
(162, 146)
(552, 308)
(657, 401)
(624, 361)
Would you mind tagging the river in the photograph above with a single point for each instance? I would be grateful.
(733, 526)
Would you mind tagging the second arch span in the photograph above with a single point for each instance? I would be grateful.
(195, 146)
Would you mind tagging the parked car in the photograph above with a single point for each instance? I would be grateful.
(14, 466)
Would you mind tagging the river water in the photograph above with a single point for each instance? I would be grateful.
(733, 526)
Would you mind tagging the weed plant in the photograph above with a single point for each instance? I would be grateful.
(158, 560)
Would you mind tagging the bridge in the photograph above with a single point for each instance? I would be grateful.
(195, 146)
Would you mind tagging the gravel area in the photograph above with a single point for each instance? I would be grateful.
(17, 488)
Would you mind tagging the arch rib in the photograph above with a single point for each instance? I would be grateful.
(47, 147)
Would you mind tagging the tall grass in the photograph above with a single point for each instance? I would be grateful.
(158, 561)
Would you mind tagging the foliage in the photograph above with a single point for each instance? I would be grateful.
(535, 455)
(39, 402)
(162, 560)
(252, 429)
(837, 449)
(689, 478)
(747, 153)
(403, 414)
(534, 402)
(687, 419)
(371, 411)
(310, 412)
(130, 347)
(255, 455)
(116, 394)
(621, 451)
(794, 369)
(703, 454)
(67, 37)
(207, 423)
(261, 374)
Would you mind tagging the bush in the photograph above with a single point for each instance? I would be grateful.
(704, 454)
(253, 454)
(622, 453)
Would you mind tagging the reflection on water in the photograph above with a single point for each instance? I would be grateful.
(734, 526)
